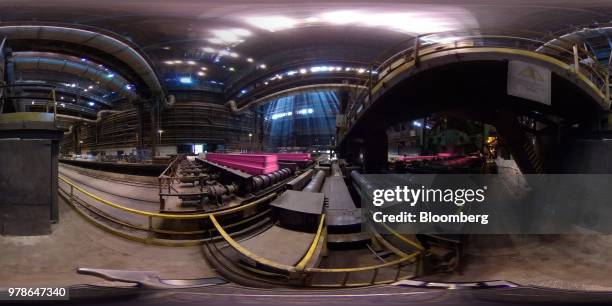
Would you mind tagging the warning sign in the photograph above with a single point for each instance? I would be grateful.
(529, 81)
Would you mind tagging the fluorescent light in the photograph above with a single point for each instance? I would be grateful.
(263, 66)
(250, 60)
(272, 23)
(91, 103)
(191, 62)
(200, 73)
(303, 71)
(209, 50)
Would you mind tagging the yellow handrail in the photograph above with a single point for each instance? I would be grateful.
(236, 246)
(313, 246)
(163, 215)
(402, 238)
(300, 267)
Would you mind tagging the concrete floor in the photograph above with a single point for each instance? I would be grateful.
(145, 196)
(140, 197)
(578, 261)
(581, 261)
(280, 245)
(52, 260)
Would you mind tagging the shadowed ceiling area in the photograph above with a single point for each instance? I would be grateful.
(210, 45)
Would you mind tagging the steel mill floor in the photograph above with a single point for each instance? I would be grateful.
(52, 260)
(567, 262)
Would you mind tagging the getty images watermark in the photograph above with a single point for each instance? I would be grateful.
(486, 204)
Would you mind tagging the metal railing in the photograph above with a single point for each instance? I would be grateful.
(51, 100)
(152, 216)
(291, 271)
(301, 273)
(417, 49)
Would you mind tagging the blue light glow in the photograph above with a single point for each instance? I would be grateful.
(304, 119)
(186, 80)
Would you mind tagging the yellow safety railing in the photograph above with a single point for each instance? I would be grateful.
(245, 252)
(151, 215)
(166, 215)
(318, 240)
(300, 271)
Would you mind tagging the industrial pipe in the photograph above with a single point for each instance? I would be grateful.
(360, 182)
(84, 70)
(316, 182)
(121, 50)
(99, 118)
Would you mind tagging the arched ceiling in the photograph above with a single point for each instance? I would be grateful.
(210, 44)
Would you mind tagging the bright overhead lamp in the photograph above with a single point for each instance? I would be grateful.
(272, 23)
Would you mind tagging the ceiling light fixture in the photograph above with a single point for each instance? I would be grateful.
(272, 23)
(228, 36)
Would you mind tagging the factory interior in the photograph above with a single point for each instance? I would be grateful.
(221, 152)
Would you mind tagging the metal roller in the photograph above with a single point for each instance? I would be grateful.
(262, 181)
(316, 182)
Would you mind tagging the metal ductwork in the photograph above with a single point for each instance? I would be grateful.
(100, 114)
(74, 118)
(112, 46)
(83, 70)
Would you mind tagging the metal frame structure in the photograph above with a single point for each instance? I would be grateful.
(412, 53)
